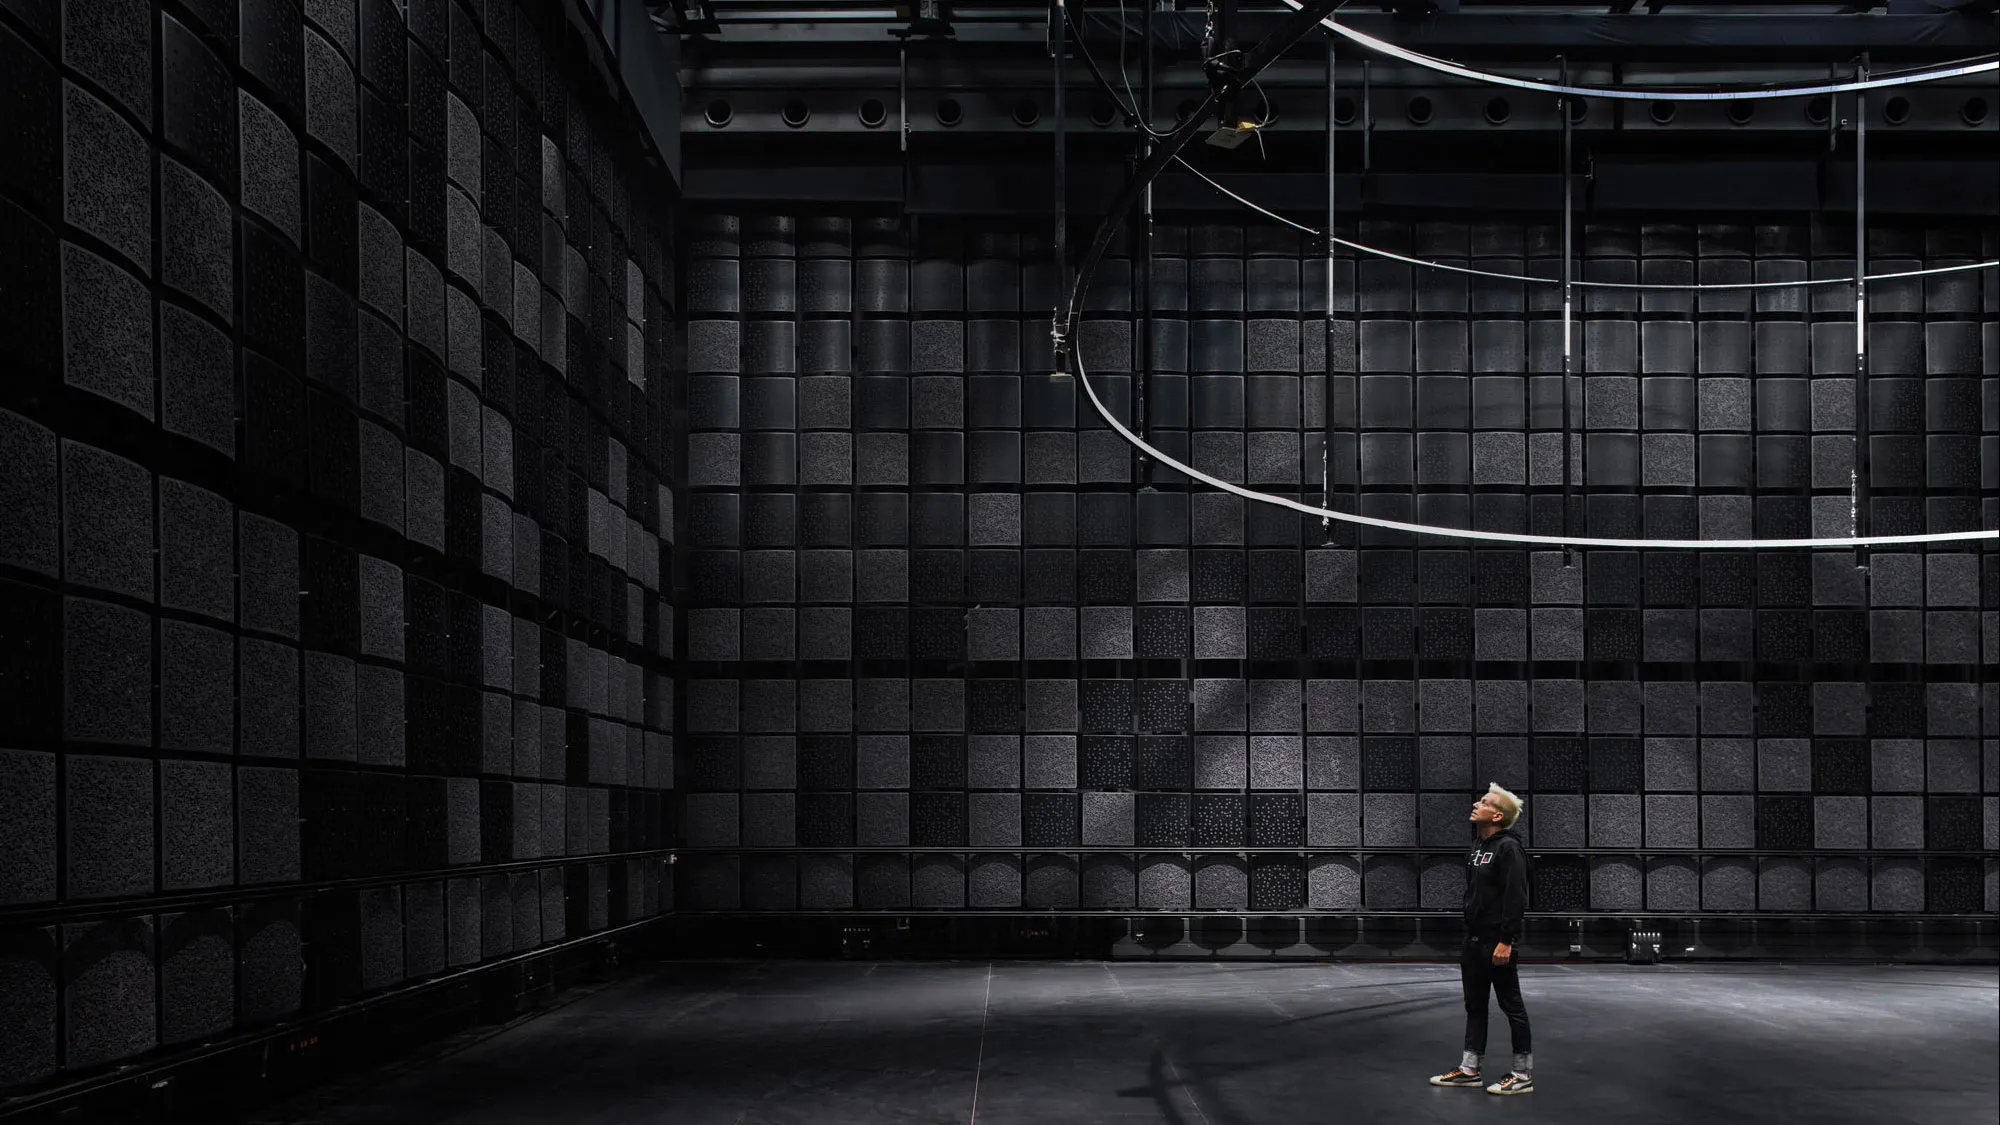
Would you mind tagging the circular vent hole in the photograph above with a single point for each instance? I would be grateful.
(1343, 111)
(949, 112)
(795, 113)
(1819, 109)
(1974, 111)
(1896, 110)
(1663, 112)
(718, 113)
(1740, 113)
(1026, 112)
(1420, 110)
(1103, 111)
(1498, 110)
(873, 113)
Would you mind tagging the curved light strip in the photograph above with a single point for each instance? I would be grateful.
(1083, 378)
(1067, 323)
(1690, 286)
(1640, 94)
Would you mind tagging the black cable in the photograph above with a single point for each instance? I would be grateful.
(1291, 31)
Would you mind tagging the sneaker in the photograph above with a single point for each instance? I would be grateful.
(1512, 1084)
(1458, 1077)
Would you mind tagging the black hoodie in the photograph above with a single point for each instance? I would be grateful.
(1496, 887)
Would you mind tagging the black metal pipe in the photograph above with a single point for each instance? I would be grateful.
(1142, 348)
(1326, 375)
(1058, 46)
(1568, 361)
(1858, 485)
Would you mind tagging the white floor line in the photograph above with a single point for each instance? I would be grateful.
(984, 1007)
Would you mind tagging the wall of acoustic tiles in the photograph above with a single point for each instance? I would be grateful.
(333, 434)
(944, 651)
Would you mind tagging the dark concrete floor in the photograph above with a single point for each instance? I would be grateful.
(1219, 1044)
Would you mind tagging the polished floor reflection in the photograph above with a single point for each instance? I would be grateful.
(1216, 1044)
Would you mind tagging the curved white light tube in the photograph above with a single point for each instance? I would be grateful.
(1641, 94)
(1083, 379)
(1693, 286)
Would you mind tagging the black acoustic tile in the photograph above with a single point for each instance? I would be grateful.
(1953, 885)
(384, 169)
(1784, 823)
(937, 761)
(1559, 883)
(331, 221)
(32, 664)
(1388, 762)
(1162, 762)
(1218, 819)
(1896, 710)
(195, 252)
(30, 269)
(937, 819)
(109, 983)
(427, 214)
(107, 522)
(108, 827)
(197, 825)
(1049, 820)
(1615, 765)
(826, 820)
(30, 127)
(1955, 824)
(197, 975)
(332, 335)
(197, 555)
(274, 411)
(1560, 764)
(1105, 762)
(826, 762)
(107, 179)
(272, 53)
(107, 331)
(426, 104)
(274, 304)
(1277, 820)
(198, 111)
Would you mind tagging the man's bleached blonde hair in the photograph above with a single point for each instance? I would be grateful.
(1510, 806)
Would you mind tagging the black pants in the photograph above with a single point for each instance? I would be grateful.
(1477, 970)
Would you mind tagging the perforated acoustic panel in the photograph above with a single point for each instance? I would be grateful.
(949, 648)
(333, 448)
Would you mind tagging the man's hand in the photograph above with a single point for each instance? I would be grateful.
(1502, 953)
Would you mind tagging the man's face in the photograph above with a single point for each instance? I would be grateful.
(1484, 811)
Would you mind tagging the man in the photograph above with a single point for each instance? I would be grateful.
(1496, 896)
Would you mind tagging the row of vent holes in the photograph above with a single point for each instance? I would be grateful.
(1104, 111)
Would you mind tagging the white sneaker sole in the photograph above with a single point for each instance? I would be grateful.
(1496, 1089)
(1454, 1085)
